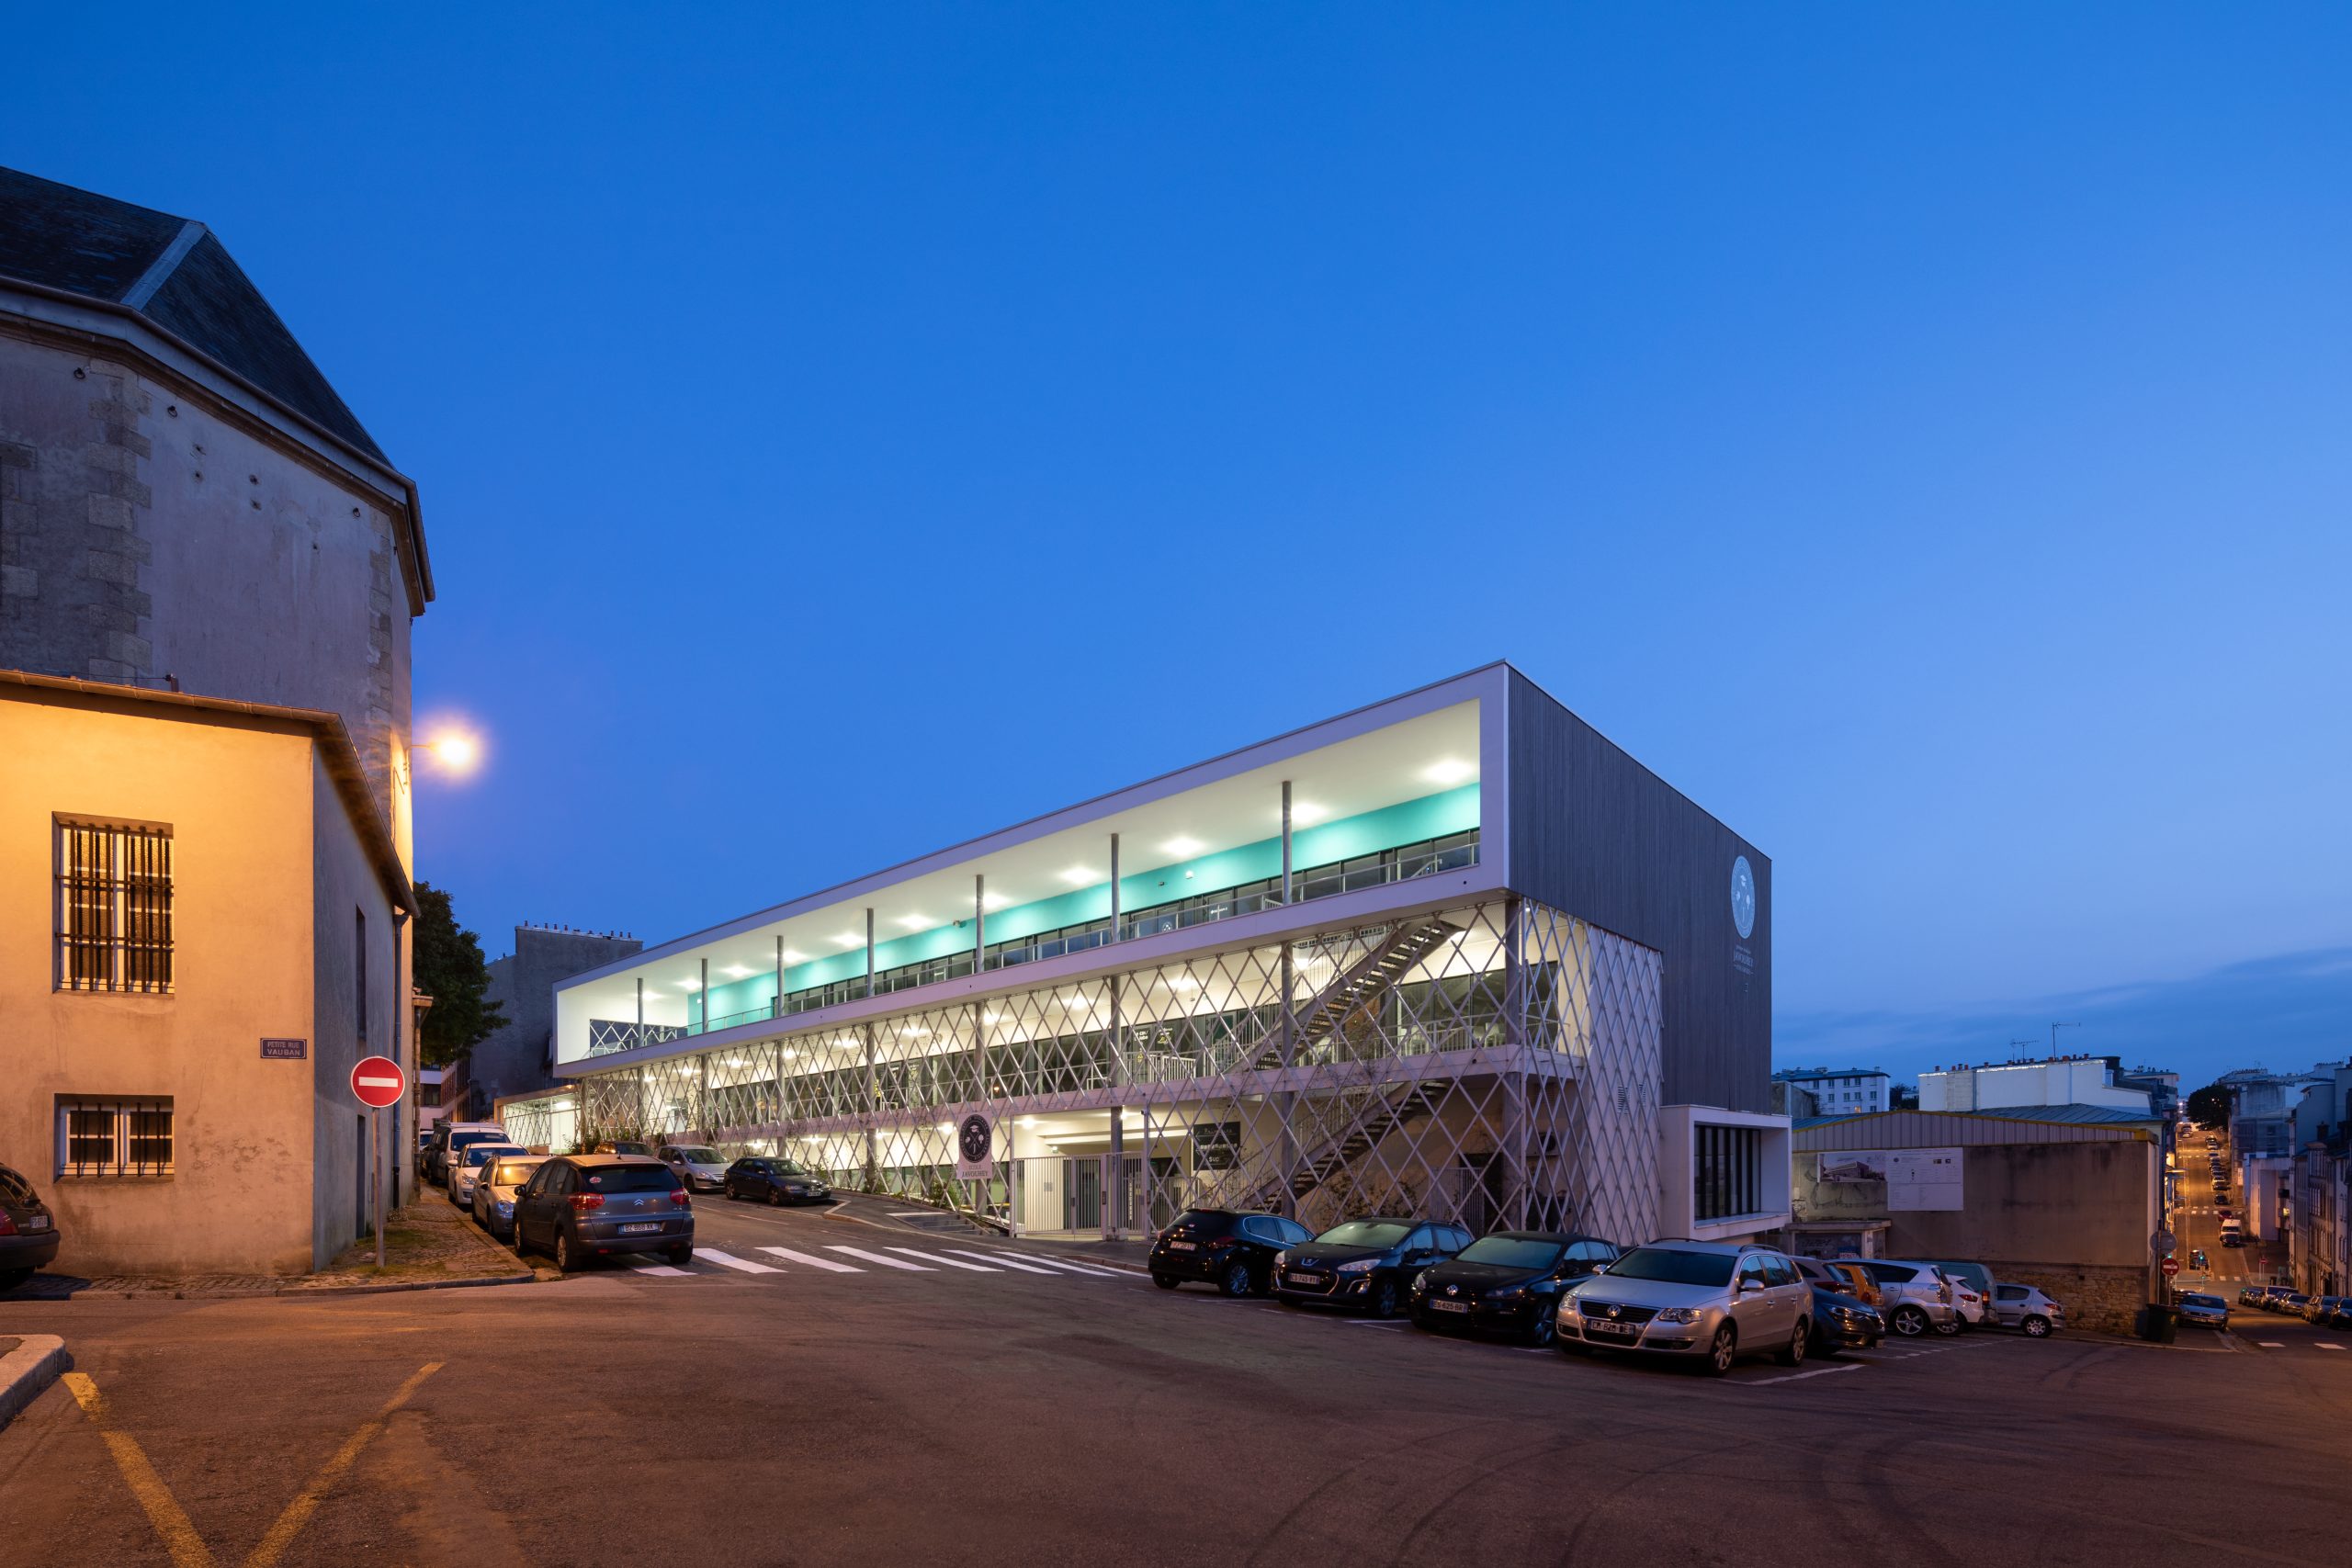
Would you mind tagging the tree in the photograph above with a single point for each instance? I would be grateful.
(2209, 1107)
(1905, 1098)
(450, 970)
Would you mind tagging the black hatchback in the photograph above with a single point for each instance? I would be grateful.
(1365, 1265)
(1235, 1252)
(1509, 1282)
(773, 1180)
(28, 1233)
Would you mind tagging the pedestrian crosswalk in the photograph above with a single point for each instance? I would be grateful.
(882, 1257)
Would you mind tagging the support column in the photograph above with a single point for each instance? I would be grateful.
(1115, 1222)
(984, 1189)
(1114, 887)
(703, 995)
(1284, 1101)
(979, 922)
(776, 1009)
(1515, 1065)
(640, 1009)
(873, 1159)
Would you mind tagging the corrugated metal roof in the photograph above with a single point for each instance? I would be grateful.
(1952, 1129)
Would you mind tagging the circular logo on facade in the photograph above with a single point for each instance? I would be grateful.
(1743, 896)
(974, 1136)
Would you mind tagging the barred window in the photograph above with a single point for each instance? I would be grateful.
(114, 1137)
(114, 907)
(1728, 1171)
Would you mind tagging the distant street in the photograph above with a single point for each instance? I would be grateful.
(868, 1396)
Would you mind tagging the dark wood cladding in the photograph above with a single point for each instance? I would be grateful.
(1595, 834)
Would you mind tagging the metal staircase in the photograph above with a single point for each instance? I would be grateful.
(1362, 984)
(1381, 1116)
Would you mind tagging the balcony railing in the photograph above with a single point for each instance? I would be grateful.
(1431, 857)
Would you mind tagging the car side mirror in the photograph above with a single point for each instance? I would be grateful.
(1748, 1283)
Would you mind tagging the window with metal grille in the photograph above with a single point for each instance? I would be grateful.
(114, 1137)
(1728, 1174)
(114, 907)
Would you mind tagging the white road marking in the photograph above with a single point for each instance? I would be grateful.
(659, 1268)
(975, 1267)
(997, 1258)
(912, 1213)
(1366, 1322)
(1073, 1267)
(729, 1261)
(813, 1261)
(885, 1263)
(2272, 1344)
(2324, 1345)
(1795, 1377)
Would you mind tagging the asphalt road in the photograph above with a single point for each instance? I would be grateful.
(989, 1414)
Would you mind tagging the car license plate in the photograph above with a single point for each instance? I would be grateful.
(1303, 1278)
(1449, 1306)
(1625, 1330)
(1180, 1246)
(641, 1226)
(36, 1222)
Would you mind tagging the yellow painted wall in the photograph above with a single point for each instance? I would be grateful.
(239, 801)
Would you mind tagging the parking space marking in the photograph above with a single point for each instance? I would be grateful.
(729, 1261)
(163, 1511)
(1799, 1377)
(1366, 1323)
(2324, 1345)
(659, 1269)
(999, 1258)
(885, 1263)
(935, 1258)
(297, 1513)
(1073, 1267)
(813, 1261)
(2272, 1344)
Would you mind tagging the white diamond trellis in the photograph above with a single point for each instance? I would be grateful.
(1493, 1064)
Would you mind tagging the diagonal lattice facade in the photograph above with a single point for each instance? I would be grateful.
(1495, 1064)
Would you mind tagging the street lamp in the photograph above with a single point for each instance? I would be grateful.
(456, 752)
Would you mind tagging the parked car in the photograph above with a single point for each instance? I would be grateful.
(2203, 1311)
(1364, 1264)
(466, 1167)
(28, 1234)
(773, 1180)
(1843, 1323)
(1712, 1301)
(450, 1136)
(2250, 1295)
(2290, 1302)
(1858, 1283)
(701, 1168)
(2197, 1258)
(624, 1147)
(494, 1190)
(1508, 1283)
(1233, 1252)
(2337, 1312)
(2027, 1309)
(1976, 1279)
(579, 1207)
(1913, 1297)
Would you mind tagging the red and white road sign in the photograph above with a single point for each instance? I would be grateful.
(2172, 1265)
(378, 1081)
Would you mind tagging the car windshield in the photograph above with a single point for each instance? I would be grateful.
(2203, 1300)
(786, 1167)
(1512, 1252)
(460, 1140)
(628, 1177)
(482, 1154)
(513, 1172)
(700, 1157)
(1366, 1233)
(1673, 1267)
(1205, 1222)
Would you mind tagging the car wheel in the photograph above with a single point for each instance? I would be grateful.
(1165, 1281)
(1800, 1340)
(1384, 1299)
(1909, 1322)
(1545, 1328)
(1723, 1352)
(680, 1256)
(1237, 1279)
(775, 1198)
(1950, 1326)
(567, 1256)
(2036, 1327)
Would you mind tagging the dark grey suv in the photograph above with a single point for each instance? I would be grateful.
(583, 1206)
(27, 1233)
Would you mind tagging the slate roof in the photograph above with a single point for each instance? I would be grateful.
(175, 273)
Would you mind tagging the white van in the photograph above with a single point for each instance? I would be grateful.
(2232, 1234)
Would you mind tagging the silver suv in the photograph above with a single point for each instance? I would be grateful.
(1711, 1300)
(1914, 1297)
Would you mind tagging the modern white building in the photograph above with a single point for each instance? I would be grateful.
(2054, 1080)
(1842, 1092)
(1454, 954)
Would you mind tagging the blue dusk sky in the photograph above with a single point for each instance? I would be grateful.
(1919, 434)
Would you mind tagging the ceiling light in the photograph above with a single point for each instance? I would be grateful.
(792, 956)
(1449, 771)
(737, 970)
(691, 985)
(993, 901)
(914, 1031)
(1183, 848)
(1184, 983)
(917, 922)
(1305, 812)
(850, 939)
(1081, 876)
(789, 1052)
(991, 1016)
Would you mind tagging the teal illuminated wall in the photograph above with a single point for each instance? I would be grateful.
(1407, 822)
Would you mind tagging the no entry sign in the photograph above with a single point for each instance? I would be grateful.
(378, 1081)
(2171, 1266)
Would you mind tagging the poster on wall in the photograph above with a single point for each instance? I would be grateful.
(1854, 1165)
(975, 1149)
(1918, 1179)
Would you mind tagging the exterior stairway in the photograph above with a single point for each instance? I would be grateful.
(1380, 1117)
(1362, 984)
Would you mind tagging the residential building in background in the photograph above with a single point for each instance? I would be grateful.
(1840, 1091)
(1452, 953)
(2051, 1080)
(2262, 1109)
(208, 572)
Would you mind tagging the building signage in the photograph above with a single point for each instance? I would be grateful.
(1922, 1179)
(974, 1148)
(285, 1050)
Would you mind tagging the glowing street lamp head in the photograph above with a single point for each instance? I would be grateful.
(456, 753)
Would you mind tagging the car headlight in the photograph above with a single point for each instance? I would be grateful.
(1360, 1265)
(1512, 1294)
(1282, 1257)
(505, 1209)
(1678, 1315)
(1421, 1283)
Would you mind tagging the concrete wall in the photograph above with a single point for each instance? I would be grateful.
(241, 800)
(148, 529)
(345, 886)
(513, 1060)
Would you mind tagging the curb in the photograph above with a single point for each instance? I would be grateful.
(31, 1367)
(407, 1285)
